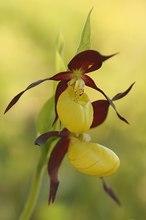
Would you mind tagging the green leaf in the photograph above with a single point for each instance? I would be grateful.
(60, 44)
(46, 116)
(59, 65)
(85, 42)
(47, 113)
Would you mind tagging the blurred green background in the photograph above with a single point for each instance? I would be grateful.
(28, 32)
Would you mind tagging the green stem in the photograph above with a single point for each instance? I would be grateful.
(34, 191)
(45, 151)
(36, 183)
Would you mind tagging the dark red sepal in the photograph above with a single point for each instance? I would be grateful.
(42, 139)
(62, 85)
(100, 109)
(54, 163)
(122, 94)
(89, 82)
(87, 61)
(110, 192)
(66, 76)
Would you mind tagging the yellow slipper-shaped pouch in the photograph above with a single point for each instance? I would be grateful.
(75, 112)
(92, 159)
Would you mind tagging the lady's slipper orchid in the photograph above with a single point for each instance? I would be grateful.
(81, 64)
(88, 158)
(78, 115)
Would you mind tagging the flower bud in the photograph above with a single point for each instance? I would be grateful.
(92, 159)
(75, 111)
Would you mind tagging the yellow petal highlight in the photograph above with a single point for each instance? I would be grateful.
(75, 112)
(92, 159)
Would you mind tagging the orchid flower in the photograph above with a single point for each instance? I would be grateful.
(86, 157)
(77, 114)
(81, 64)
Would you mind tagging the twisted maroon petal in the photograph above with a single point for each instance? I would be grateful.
(122, 94)
(110, 192)
(42, 139)
(87, 61)
(89, 82)
(100, 109)
(60, 76)
(54, 163)
(17, 97)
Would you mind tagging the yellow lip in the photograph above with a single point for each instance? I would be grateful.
(92, 159)
(75, 113)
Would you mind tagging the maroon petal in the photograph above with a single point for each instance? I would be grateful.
(89, 82)
(17, 97)
(60, 76)
(62, 85)
(42, 139)
(87, 61)
(67, 75)
(122, 94)
(54, 163)
(100, 109)
(110, 192)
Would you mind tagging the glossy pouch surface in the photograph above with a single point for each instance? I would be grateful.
(92, 159)
(75, 112)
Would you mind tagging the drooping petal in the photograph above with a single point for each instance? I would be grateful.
(100, 109)
(122, 94)
(60, 76)
(17, 97)
(110, 192)
(87, 61)
(62, 85)
(42, 139)
(89, 82)
(54, 163)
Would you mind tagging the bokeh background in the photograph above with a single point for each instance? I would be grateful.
(28, 32)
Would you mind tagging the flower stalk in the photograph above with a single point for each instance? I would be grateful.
(34, 190)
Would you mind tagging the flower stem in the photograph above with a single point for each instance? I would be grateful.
(36, 182)
(34, 191)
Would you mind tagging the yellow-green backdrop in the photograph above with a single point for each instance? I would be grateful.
(28, 32)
